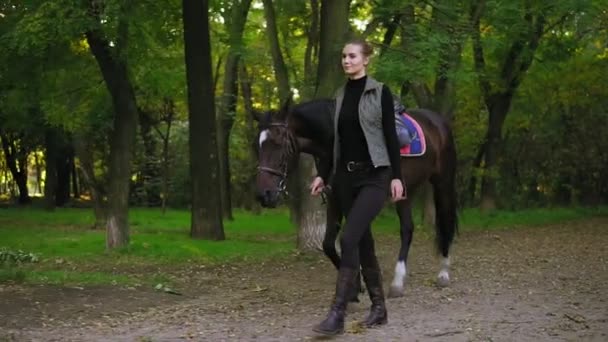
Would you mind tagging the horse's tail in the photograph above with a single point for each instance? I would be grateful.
(444, 193)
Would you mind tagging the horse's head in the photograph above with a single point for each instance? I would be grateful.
(277, 147)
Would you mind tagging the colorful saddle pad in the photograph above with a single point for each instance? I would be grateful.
(418, 145)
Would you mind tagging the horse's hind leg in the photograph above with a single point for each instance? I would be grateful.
(406, 231)
(446, 224)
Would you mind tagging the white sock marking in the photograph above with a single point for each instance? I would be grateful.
(445, 263)
(444, 272)
(400, 273)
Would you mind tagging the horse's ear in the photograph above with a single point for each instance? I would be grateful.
(285, 108)
(256, 115)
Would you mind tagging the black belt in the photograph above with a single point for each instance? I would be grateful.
(353, 166)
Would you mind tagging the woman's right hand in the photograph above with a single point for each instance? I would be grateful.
(398, 191)
(317, 186)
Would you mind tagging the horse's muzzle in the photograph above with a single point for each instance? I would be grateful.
(267, 198)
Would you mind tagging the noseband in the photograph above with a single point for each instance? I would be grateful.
(282, 174)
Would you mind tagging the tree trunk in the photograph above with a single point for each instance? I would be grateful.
(204, 165)
(64, 171)
(250, 203)
(75, 180)
(450, 52)
(391, 29)
(38, 170)
(150, 173)
(280, 69)
(122, 138)
(311, 217)
(167, 118)
(334, 33)
(16, 160)
(472, 190)
(227, 113)
(312, 49)
(498, 113)
(59, 164)
(515, 63)
(84, 152)
(50, 183)
(311, 214)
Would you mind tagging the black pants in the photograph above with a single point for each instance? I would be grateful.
(362, 194)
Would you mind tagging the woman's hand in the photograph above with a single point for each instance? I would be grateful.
(398, 191)
(317, 186)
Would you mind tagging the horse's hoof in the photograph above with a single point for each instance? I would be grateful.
(443, 279)
(395, 291)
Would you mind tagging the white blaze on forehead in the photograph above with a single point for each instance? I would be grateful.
(263, 136)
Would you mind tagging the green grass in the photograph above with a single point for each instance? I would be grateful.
(472, 219)
(64, 233)
(62, 277)
(71, 253)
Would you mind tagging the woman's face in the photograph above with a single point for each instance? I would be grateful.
(354, 62)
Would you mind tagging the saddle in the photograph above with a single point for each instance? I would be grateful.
(409, 133)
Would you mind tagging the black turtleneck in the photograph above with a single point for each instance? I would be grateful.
(353, 146)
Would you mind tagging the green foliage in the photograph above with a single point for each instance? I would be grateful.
(45, 25)
(565, 107)
(8, 256)
(48, 77)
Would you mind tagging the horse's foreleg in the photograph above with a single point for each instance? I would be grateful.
(406, 231)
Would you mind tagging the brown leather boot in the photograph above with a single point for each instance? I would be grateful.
(373, 281)
(333, 324)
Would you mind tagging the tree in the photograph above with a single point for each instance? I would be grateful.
(235, 23)
(204, 168)
(280, 69)
(446, 22)
(16, 153)
(512, 66)
(333, 33)
(111, 58)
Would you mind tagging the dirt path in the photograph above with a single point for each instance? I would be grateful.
(528, 284)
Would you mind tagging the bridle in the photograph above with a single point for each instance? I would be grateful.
(282, 171)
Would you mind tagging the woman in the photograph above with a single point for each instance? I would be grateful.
(366, 169)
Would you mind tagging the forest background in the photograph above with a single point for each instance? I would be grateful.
(95, 109)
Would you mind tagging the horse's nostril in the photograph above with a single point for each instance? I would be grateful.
(260, 196)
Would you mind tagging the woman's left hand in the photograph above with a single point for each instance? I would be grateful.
(398, 191)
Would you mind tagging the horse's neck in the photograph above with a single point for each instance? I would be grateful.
(312, 143)
(312, 147)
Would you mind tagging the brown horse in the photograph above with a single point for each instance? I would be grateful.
(308, 128)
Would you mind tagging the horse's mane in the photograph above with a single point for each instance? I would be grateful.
(315, 117)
